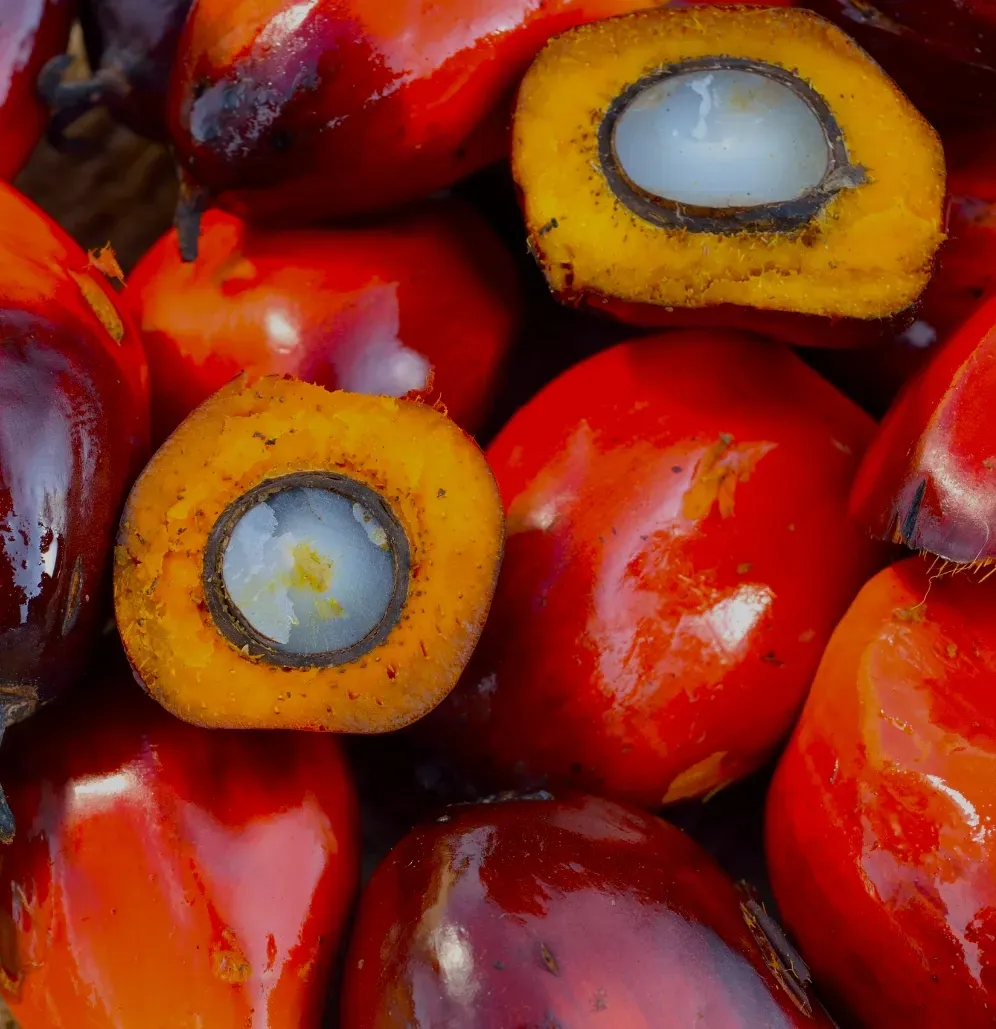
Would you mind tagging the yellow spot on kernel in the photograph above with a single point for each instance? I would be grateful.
(311, 570)
(329, 607)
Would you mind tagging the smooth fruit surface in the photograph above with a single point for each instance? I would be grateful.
(879, 831)
(73, 431)
(167, 877)
(31, 33)
(574, 912)
(928, 478)
(425, 302)
(677, 555)
(337, 107)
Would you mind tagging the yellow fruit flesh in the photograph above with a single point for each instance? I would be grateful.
(867, 254)
(436, 482)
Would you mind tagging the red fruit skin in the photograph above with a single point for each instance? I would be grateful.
(879, 819)
(31, 32)
(928, 479)
(347, 106)
(73, 432)
(677, 555)
(574, 912)
(168, 876)
(340, 307)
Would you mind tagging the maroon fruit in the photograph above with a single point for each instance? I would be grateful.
(578, 913)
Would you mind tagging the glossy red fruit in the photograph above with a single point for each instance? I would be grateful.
(427, 301)
(338, 107)
(73, 432)
(31, 33)
(131, 46)
(879, 823)
(677, 556)
(168, 876)
(575, 913)
(929, 478)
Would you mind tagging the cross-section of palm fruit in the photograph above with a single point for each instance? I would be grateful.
(726, 155)
(295, 558)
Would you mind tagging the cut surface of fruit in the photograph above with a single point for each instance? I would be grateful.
(720, 136)
(312, 569)
(697, 157)
(304, 559)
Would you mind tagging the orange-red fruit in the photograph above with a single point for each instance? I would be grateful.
(337, 107)
(929, 478)
(165, 877)
(31, 32)
(678, 553)
(879, 823)
(426, 302)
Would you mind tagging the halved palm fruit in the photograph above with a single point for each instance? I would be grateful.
(295, 558)
(705, 156)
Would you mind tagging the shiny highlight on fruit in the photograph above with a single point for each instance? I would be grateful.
(662, 606)
(879, 831)
(287, 110)
(497, 915)
(294, 558)
(928, 479)
(698, 157)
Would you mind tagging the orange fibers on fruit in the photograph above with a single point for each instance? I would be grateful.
(622, 143)
(295, 558)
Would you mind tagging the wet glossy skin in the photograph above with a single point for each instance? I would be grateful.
(368, 309)
(133, 43)
(928, 478)
(677, 554)
(311, 108)
(31, 32)
(880, 841)
(575, 913)
(169, 877)
(73, 431)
